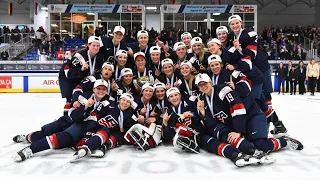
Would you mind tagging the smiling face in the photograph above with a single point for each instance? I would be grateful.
(100, 92)
(147, 93)
(106, 72)
(216, 67)
(205, 87)
(124, 104)
(185, 70)
(175, 99)
(140, 62)
(143, 40)
(160, 93)
(117, 36)
(94, 48)
(214, 48)
(235, 26)
(122, 60)
(197, 48)
(222, 36)
(155, 58)
(127, 79)
(181, 52)
(186, 40)
(168, 69)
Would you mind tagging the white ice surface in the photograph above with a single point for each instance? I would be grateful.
(23, 113)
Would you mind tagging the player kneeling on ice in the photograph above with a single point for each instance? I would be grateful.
(83, 119)
(239, 122)
(147, 133)
(181, 122)
(112, 128)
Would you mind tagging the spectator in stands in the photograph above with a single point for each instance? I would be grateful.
(52, 43)
(67, 54)
(288, 84)
(60, 55)
(301, 71)
(312, 75)
(43, 56)
(281, 75)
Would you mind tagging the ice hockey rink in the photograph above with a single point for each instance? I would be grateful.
(23, 113)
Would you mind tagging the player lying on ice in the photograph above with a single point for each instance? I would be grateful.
(68, 130)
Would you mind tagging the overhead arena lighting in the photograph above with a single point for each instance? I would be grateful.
(216, 14)
(205, 20)
(54, 25)
(151, 8)
(92, 14)
(44, 8)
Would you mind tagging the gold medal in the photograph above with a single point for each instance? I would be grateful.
(121, 130)
(181, 116)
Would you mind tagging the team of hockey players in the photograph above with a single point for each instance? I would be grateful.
(215, 98)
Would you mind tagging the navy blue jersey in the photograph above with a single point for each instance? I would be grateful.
(197, 63)
(224, 110)
(86, 86)
(242, 63)
(117, 121)
(109, 50)
(161, 107)
(125, 89)
(241, 82)
(176, 119)
(249, 43)
(188, 89)
(166, 80)
(73, 69)
(150, 106)
(93, 113)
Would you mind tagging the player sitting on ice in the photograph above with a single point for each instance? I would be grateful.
(119, 119)
(147, 133)
(239, 122)
(181, 122)
(82, 117)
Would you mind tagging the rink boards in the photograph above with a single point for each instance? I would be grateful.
(29, 83)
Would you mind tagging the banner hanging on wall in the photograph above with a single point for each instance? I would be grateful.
(30, 66)
(95, 8)
(207, 8)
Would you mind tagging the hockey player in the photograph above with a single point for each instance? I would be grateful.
(235, 79)
(118, 120)
(84, 63)
(222, 35)
(112, 45)
(82, 117)
(200, 56)
(147, 133)
(141, 73)
(125, 84)
(162, 102)
(187, 86)
(245, 41)
(170, 75)
(86, 85)
(186, 39)
(232, 121)
(120, 64)
(181, 122)
(155, 65)
(180, 54)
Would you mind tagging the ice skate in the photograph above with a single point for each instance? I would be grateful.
(23, 154)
